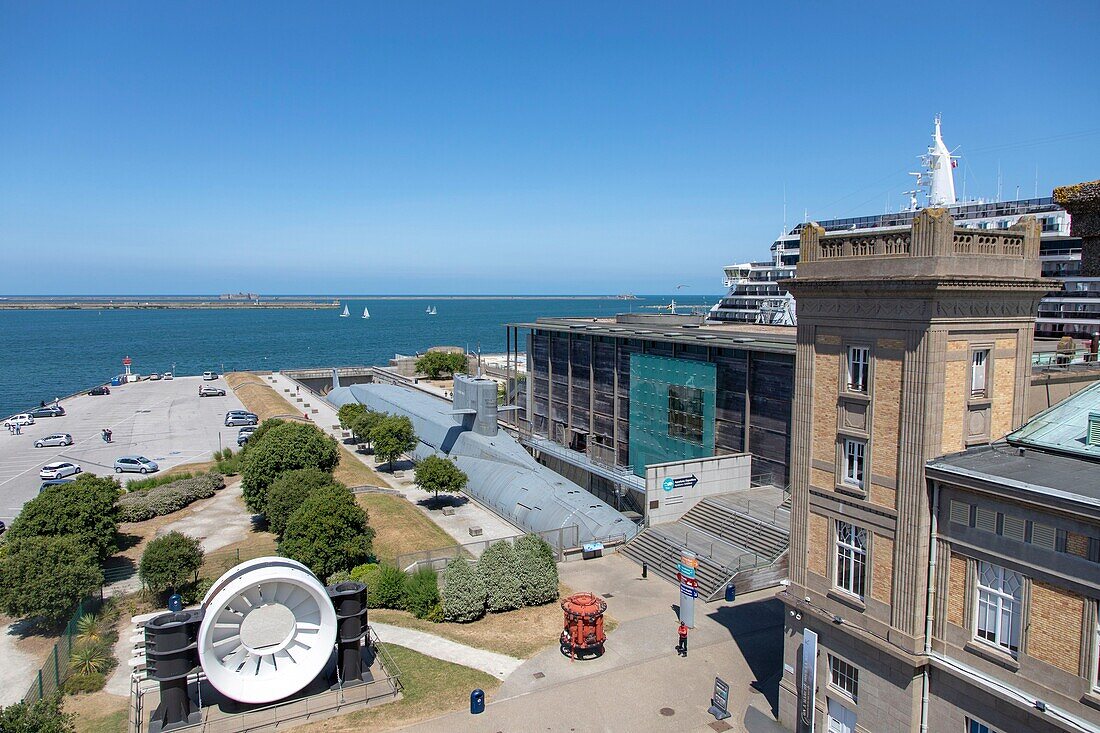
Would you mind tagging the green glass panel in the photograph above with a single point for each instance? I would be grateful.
(671, 410)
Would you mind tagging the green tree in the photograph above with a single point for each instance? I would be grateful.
(289, 490)
(437, 363)
(84, 509)
(328, 533)
(284, 447)
(390, 588)
(261, 431)
(364, 424)
(347, 414)
(46, 576)
(436, 474)
(43, 716)
(498, 568)
(464, 594)
(393, 436)
(170, 562)
(421, 592)
(536, 570)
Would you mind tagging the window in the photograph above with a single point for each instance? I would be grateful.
(851, 558)
(976, 726)
(844, 676)
(685, 413)
(978, 368)
(1096, 662)
(854, 451)
(999, 606)
(859, 360)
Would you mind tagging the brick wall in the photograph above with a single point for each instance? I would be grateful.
(955, 388)
(826, 379)
(883, 496)
(885, 420)
(822, 479)
(1054, 627)
(1004, 394)
(956, 590)
(817, 547)
(882, 568)
(1077, 544)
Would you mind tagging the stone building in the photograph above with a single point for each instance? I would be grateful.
(912, 343)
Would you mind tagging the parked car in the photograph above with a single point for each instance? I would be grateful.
(209, 376)
(135, 464)
(48, 411)
(100, 390)
(237, 418)
(60, 469)
(168, 375)
(3, 527)
(245, 433)
(22, 419)
(205, 391)
(54, 439)
(154, 377)
(54, 482)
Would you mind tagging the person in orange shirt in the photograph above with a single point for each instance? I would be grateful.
(682, 647)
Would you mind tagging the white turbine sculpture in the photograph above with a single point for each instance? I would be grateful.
(268, 630)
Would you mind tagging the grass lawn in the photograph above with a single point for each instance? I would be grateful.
(353, 472)
(400, 526)
(431, 687)
(260, 398)
(98, 712)
(257, 543)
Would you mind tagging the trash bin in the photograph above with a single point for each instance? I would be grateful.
(477, 702)
(731, 592)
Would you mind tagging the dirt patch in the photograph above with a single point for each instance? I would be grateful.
(257, 543)
(98, 712)
(400, 527)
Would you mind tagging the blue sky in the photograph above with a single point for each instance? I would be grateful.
(501, 147)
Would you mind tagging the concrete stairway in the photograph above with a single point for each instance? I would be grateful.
(766, 540)
(660, 550)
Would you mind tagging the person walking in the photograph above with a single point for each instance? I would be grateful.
(110, 435)
(682, 647)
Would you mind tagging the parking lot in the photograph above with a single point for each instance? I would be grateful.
(165, 421)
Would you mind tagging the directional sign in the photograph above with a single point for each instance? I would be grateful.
(668, 484)
(689, 591)
(689, 582)
(719, 703)
(685, 571)
(679, 482)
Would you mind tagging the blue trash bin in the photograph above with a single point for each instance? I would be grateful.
(731, 592)
(477, 702)
(175, 603)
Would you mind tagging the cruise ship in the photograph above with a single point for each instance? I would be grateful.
(758, 294)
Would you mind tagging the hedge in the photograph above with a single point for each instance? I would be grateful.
(499, 568)
(464, 593)
(138, 506)
(536, 571)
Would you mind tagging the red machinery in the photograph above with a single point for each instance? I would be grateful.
(583, 633)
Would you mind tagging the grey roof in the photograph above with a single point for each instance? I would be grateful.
(748, 336)
(1024, 470)
(1062, 428)
(503, 476)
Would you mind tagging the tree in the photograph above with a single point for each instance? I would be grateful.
(464, 594)
(45, 715)
(437, 363)
(289, 490)
(364, 424)
(47, 577)
(390, 589)
(422, 592)
(328, 532)
(284, 447)
(84, 509)
(347, 414)
(536, 571)
(393, 436)
(498, 569)
(436, 474)
(261, 431)
(170, 562)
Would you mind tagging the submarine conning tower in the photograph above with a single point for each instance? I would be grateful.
(475, 404)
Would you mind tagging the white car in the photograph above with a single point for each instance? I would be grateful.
(21, 420)
(135, 464)
(54, 439)
(209, 376)
(168, 375)
(61, 469)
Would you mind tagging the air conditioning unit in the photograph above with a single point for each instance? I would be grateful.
(1093, 435)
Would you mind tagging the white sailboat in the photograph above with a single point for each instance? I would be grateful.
(428, 310)
(431, 311)
(345, 314)
(366, 313)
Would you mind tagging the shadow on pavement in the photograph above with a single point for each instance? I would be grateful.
(757, 629)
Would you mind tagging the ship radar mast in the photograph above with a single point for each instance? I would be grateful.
(937, 180)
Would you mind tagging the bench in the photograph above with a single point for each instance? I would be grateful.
(448, 511)
(475, 531)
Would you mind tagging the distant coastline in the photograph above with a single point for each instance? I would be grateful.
(200, 302)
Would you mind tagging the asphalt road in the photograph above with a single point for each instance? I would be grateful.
(165, 421)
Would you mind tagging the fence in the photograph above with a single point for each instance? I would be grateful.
(55, 671)
(561, 539)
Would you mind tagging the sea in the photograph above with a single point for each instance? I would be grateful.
(55, 353)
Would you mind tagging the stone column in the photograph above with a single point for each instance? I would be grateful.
(1082, 201)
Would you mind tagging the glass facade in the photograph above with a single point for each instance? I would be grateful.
(671, 410)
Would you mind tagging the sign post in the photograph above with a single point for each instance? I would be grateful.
(719, 703)
(807, 682)
(689, 586)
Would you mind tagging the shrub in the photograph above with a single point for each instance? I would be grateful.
(284, 447)
(389, 590)
(90, 657)
(392, 437)
(138, 506)
(47, 577)
(347, 414)
(421, 592)
(84, 509)
(259, 433)
(94, 627)
(82, 684)
(497, 567)
(170, 562)
(464, 594)
(289, 490)
(437, 363)
(328, 532)
(340, 576)
(436, 474)
(536, 571)
(44, 716)
(367, 574)
(151, 481)
(435, 615)
(194, 592)
(227, 462)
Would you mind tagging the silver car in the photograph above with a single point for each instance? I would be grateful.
(61, 469)
(135, 464)
(55, 439)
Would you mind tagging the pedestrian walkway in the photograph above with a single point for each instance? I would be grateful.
(498, 665)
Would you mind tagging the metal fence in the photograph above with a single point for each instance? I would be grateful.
(53, 673)
(561, 540)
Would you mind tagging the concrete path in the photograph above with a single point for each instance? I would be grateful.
(498, 665)
(18, 668)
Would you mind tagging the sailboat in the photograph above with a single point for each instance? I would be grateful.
(366, 313)
(431, 311)
(428, 310)
(345, 314)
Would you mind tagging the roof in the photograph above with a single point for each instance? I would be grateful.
(1062, 428)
